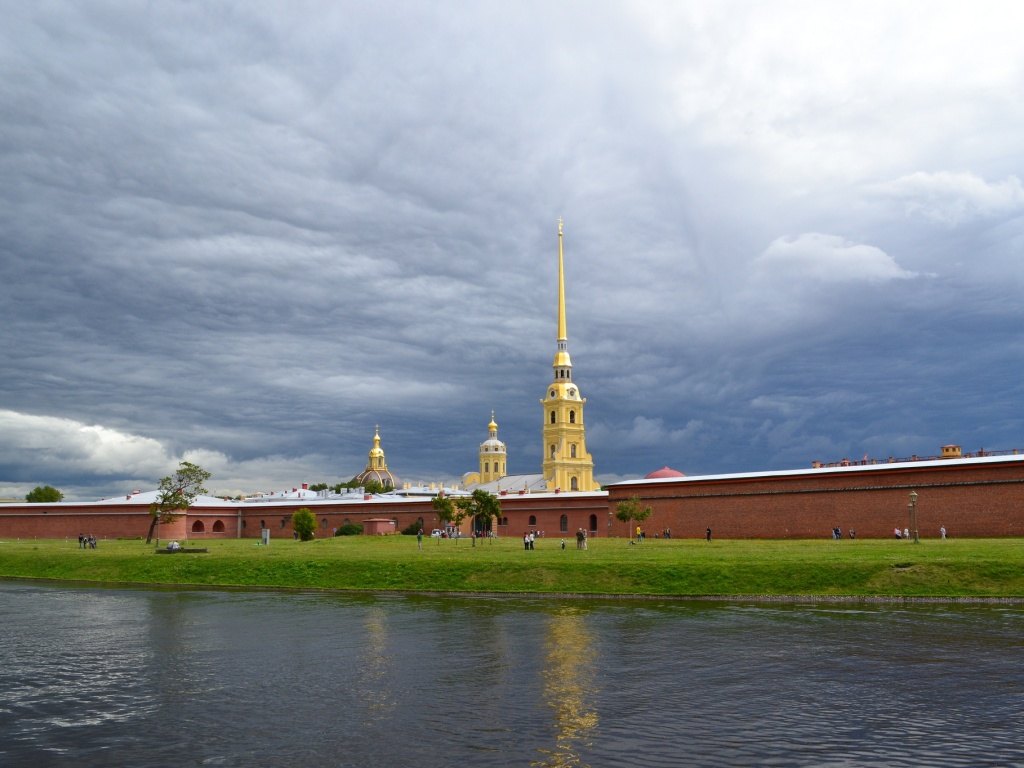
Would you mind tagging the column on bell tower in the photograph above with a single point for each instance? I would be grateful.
(566, 466)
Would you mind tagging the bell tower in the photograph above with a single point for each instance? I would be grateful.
(567, 466)
(492, 455)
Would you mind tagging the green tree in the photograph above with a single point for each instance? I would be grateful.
(460, 511)
(45, 494)
(630, 510)
(444, 509)
(482, 507)
(304, 523)
(176, 495)
(318, 487)
(375, 486)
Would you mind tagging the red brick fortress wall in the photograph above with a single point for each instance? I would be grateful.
(970, 499)
(66, 521)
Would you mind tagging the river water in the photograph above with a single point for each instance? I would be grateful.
(110, 677)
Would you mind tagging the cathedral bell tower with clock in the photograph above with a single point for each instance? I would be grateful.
(567, 466)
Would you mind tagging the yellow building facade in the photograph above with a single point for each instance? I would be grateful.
(493, 455)
(567, 466)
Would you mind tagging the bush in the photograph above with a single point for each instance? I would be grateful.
(412, 529)
(350, 529)
(304, 523)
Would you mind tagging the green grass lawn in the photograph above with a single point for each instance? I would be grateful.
(953, 568)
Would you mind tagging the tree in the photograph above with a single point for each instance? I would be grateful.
(45, 494)
(483, 507)
(444, 509)
(460, 510)
(176, 495)
(304, 523)
(630, 510)
(318, 487)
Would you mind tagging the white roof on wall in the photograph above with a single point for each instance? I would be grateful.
(881, 466)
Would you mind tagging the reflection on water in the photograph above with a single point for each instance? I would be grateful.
(378, 697)
(569, 687)
(99, 677)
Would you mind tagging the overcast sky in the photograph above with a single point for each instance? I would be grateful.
(243, 234)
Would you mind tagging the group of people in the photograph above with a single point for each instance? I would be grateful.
(528, 538)
(905, 533)
(86, 542)
(837, 533)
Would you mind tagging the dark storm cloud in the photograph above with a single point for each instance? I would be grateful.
(247, 234)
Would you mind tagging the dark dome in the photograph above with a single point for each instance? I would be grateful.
(664, 472)
(382, 476)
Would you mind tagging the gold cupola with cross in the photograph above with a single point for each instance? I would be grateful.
(376, 466)
(567, 466)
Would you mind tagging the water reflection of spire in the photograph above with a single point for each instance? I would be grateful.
(374, 663)
(569, 687)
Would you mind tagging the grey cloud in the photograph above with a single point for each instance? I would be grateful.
(250, 233)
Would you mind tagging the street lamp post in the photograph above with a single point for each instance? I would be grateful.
(912, 506)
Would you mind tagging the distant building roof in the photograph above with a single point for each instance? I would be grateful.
(535, 483)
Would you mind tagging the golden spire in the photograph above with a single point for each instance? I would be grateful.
(561, 287)
(562, 364)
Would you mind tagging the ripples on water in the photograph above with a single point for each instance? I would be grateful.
(117, 677)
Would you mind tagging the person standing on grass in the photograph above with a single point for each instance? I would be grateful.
(419, 538)
(942, 531)
(709, 533)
